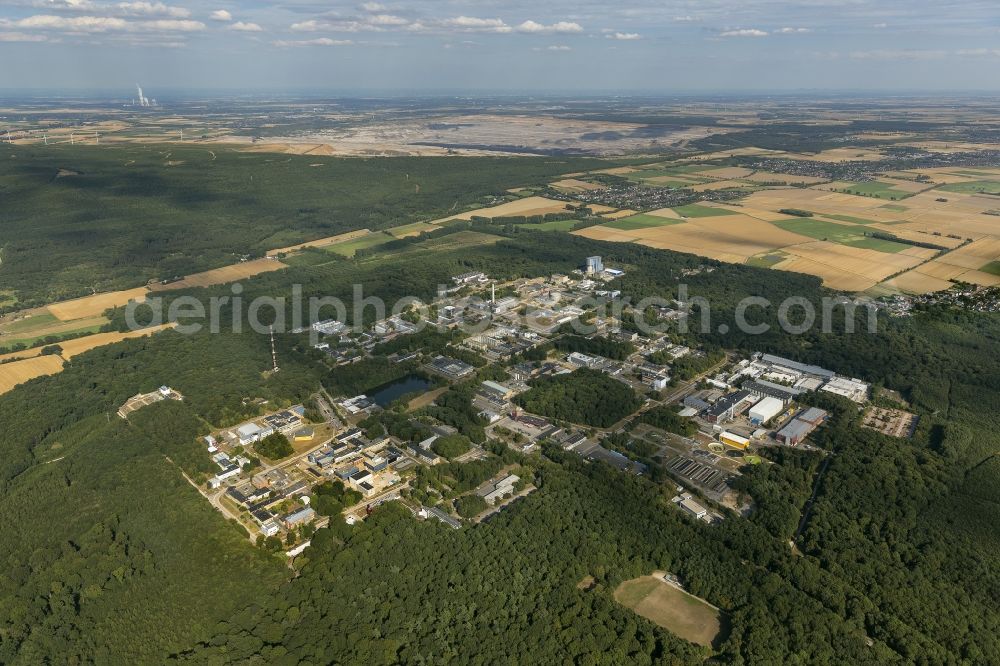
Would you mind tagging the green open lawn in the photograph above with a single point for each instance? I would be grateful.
(879, 244)
(641, 221)
(697, 210)
(348, 248)
(876, 189)
(821, 229)
(993, 268)
(43, 318)
(766, 260)
(851, 218)
(973, 187)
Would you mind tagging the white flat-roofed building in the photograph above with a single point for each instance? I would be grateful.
(692, 507)
(765, 410)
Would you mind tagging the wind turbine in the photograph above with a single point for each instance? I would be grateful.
(45, 138)
(97, 139)
(72, 141)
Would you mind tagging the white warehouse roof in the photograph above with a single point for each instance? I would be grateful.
(766, 409)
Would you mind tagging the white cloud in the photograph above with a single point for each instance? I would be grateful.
(92, 24)
(221, 15)
(306, 26)
(322, 41)
(743, 32)
(684, 19)
(560, 27)
(880, 25)
(22, 37)
(792, 31)
(899, 54)
(389, 20)
(241, 26)
(141, 8)
(624, 36)
(473, 24)
(373, 7)
(558, 47)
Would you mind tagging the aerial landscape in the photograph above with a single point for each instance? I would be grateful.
(483, 333)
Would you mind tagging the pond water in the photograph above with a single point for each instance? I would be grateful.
(385, 394)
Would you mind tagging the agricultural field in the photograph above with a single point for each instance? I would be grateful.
(93, 306)
(641, 221)
(319, 242)
(527, 206)
(224, 275)
(348, 248)
(680, 613)
(18, 372)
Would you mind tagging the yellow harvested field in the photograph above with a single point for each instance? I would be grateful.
(720, 185)
(233, 273)
(617, 215)
(921, 237)
(732, 238)
(574, 185)
(839, 155)
(725, 173)
(915, 282)
(80, 345)
(670, 180)
(832, 276)
(669, 213)
(608, 234)
(618, 171)
(18, 372)
(320, 242)
(525, 206)
(784, 178)
(980, 278)
(601, 209)
(870, 264)
(93, 306)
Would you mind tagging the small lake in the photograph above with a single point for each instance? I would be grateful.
(385, 394)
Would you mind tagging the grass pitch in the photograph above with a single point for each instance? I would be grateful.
(678, 612)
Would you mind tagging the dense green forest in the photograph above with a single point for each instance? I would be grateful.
(114, 557)
(583, 396)
(81, 218)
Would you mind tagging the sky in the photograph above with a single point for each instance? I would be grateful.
(556, 46)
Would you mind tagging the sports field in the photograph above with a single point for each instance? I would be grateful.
(680, 613)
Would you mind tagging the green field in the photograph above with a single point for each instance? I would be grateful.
(893, 207)
(43, 318)
(879, 244)
(821, 229)
(697, 210)
(851, 218)
(348, 248)
(993, 268)
(641, 221)
(766, 260)
(973, 187)
(876, 189)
